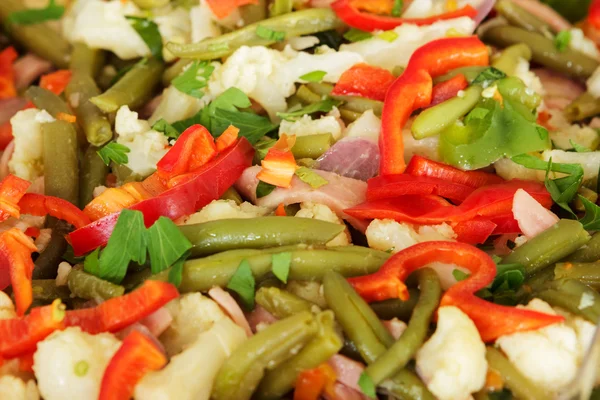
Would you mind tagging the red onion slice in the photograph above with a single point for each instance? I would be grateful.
(355, 158)
(483, 10)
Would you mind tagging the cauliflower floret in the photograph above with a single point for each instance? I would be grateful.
(566, 133)
(581, 43)
(224, 209)
(102, 25)
(174, 26)
(70, 364)
(192, 315)
(593, 83)
(13, 388)
(7, 308)
(508, 169)
(190, 375)
(307, 126)
(62, 274)
(367, 126)
(380, 52)
(176, 106)
(530, 79)
(428, 147)
(550, 356)
(324, 213)
(427, 8)
(26, 161)
(203, 23)
(452, 362)
(146, 146)
(589, 161)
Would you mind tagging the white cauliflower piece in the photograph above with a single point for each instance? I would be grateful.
(550, 356)
(62, 275)
(146, 146)
(508, 169)
(589, 161)
(224, 209)
(102, 25)
(192, 315)
(530, 79)
(566, 133)
(174, 26)
(307, 126)
(176, 106)
(452, 362)
(7, 308)
(27, 161)
(70, 364)
(427, 8)
(332, 62)
(367, 126)
(13, 388)
(303, 42)
(581, 43)
(203, 23)
(380, 52)
(428, 147)
(190, 374)
(324, 213)
(593, 83)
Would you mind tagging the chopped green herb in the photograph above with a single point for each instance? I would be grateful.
(37, 15)
(269, 34)
(164, 127)
(591, 219)
(243, 283)
(251, 126)
(321, 106)
(579, 148)
(542, 132)
(176, 272)
(356, 35)
(194, 78)
(264, 189)
(90, 263)
(388, 36)
(508, 277)
(315, 76)
(114, 151)
(488, 76)
(562, 40)
(148, 31)
(166, 244)
(311, 178)
(280, 265)
(262, 147)
(367, 386)
(81, 368)
(476, 113)
(397, 9)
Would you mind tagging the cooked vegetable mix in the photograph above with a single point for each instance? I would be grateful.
(308, 199)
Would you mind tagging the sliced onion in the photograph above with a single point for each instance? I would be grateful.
(355, 158)
(484, 10)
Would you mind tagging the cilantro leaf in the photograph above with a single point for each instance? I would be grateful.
(37, 15)
(315, 76)
(321, 106)
(269, 34)
(264, 189)
(280, 265)
(397, 9)
(591, 219)
(176, 272)
(367, 386)
(251, 126)
(508, 277)
(562, 40)
(194, 78)
(579, 148)
(243, 283)
(128, 242)
(311, 178)
(182, 125)
(164, 127)
(488, 76)
(114, 151)
(167, 244)
(148, 31)
(356, 35)
(90, 264)
(262, 147)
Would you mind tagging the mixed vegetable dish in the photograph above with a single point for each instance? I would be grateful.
(299, 199)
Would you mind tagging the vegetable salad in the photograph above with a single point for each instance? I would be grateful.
(299, 199)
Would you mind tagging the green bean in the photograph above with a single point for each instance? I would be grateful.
(574, 297)
(255, 233)
(298, 23)
(280, 7)
(469, 72)
(88, 286)
(587, 273)
(352, 103)
(149, 4)
(550, 246)
(93, 174)
(523, 19)
(407, 386)
(241, 373)
(46, 264)
(232, 194)
(133, 89)
(308, 290)
(399, 354)
(534, 284)
(583, 107)
(308, 96)
(519, 385)
(38, 38)
(568, 62)
(355, 325)
(434, 120)
(281, 380)
(281, 303)
(61, 166)
(312, 146)
(307, 264)
(252, 13)
(349, 116)
(396, 308)
(509, 58)
(45, 290)
(589, 252)
(86, 61)
(46, 100)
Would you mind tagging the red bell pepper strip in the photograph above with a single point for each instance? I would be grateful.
(594, 14)
(390, 186)
(413, 90)
(311, 383)
(352, 16)
(15, 253)
(475, 231)
(120, 312)
(448, 89)
(7, 73)
(194, 148)
(40, 206)
(137, 356)
(12, 189)
(227, 138)
(19, 336)
(420, 166)
(57, 81)
(280, 211)
(491, 320)
(222, 8)
(365, 81)
(279, 165)
(203, 186)
(115, 199)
